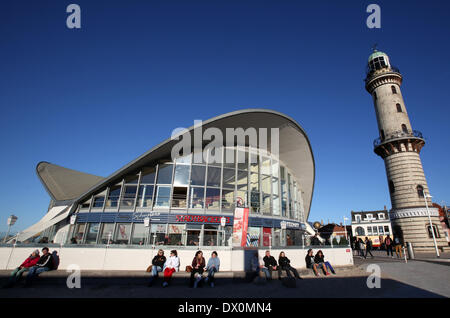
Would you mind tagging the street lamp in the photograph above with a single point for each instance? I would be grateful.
(431, 224)
(11, 220)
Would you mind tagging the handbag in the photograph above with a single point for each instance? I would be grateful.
(188, 268)
(149, 269)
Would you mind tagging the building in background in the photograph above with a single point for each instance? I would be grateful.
(443, 218)
(399, 146)
(155, 200)
(375, 225)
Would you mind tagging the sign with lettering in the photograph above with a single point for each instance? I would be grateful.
(202, 219)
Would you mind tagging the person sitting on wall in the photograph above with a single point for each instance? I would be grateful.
(270, 263)
(171, 266)
(309, 259)
(284, 264)
(24, 267)
(198, 266)
(321, 263)
(157, 266)
(256, 266)
(44, 264)
(73, 240)
(212, 268)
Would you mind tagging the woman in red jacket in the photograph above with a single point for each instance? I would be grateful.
(24, 267)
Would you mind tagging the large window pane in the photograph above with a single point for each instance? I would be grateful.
(140, 232)
(162, 197)
(210, 235)
(213, 177)
(158, 234)
(179, 197)
(230, 158)
(107, 233)
(128, 196)
(176, 234)
(79, 232)
(91, 235)
(181, 175)
(193, 234)
(98, 202)
(228, 178)
(227, 200)
(254, 182)
(215, 156)
(198, 175)
(197, 198)
(145, 196)
(242, 160)
(254, 204)
(132, 179)
(242, 180)
(165, 174)
(113, 197)
(148, 175)
(122, 235)
(265, 165)
(212, 198)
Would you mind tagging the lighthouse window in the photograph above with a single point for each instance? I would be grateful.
(420, 191)
(436, 232)
(399, 108)
(405, 130)
(394, 90)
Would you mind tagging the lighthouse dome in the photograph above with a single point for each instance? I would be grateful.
(378, 60)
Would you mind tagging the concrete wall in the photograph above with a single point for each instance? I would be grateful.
(140, 259)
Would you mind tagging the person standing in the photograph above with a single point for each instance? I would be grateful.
(361, 247)
(198, 266)
(212, 268)
(398, 247)
(388, 243)
(284, 264)
(157, 266)
(171, 266)
(270, 263)
(368, 243)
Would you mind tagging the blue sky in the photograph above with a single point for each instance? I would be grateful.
(96, 98)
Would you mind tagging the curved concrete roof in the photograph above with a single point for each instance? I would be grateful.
(63, 183)
(295, 149)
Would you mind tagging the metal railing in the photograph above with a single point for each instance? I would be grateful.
(397, 135)
(369, 71)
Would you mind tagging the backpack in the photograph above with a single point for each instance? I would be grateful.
(55, 260)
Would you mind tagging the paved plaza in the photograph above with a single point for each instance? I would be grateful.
(427, 278)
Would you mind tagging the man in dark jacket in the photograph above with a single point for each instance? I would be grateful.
(44, 264)
(270, 263)
(368, 247)
(157, 265)
(388, 243)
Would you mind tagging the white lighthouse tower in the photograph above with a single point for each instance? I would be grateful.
(399, 146)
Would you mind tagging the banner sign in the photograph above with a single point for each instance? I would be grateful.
(267, 233)
(240, 226)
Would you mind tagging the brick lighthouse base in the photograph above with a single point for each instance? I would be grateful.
(412, 225)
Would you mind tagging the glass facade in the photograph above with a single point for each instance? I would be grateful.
(258, 181)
